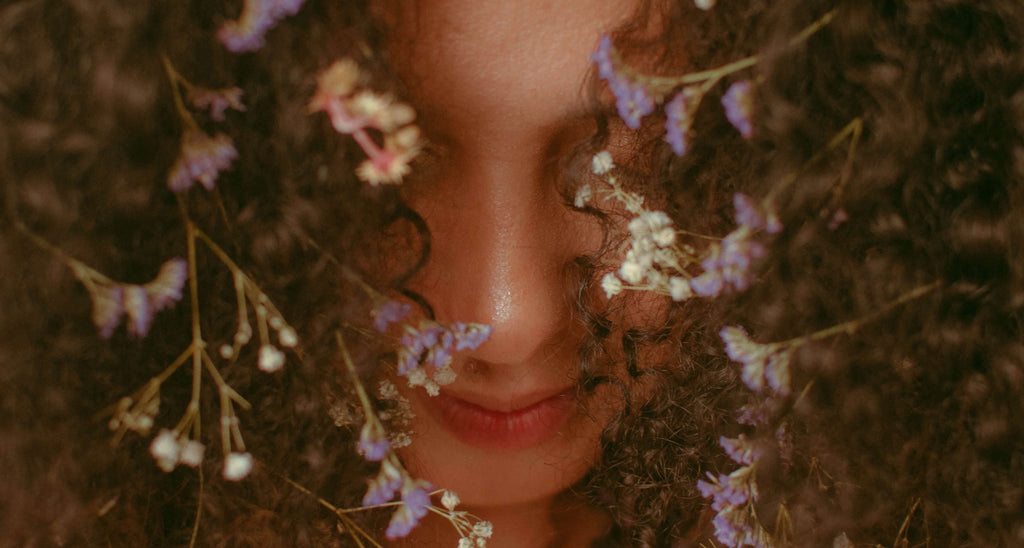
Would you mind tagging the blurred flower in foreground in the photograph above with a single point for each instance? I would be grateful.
(202, 159)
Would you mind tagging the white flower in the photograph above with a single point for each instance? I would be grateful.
(602, 163)
(632, 272)
(166, 450)
(449, 499)
(237, 466)
(445, 375)
(583, 196)
(483, 529)
(679, 288)
(287, 337)
(611, 284)
(417, 376)
(704, 4)
(665, 237)
(271, 359)
(466, 542)
(192, 453)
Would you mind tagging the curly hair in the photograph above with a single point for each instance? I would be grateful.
(907, 426)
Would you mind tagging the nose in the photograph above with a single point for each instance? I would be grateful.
(501, 240)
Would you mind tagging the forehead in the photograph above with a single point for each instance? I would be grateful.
(479, 66)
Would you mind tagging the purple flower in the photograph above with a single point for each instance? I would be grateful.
(603, 58)
(373, 444)
(217, 100)
(738, 252)
(136, 307)
(389, 313)
(739, 106)
(470, 336)
(747, 212)
(415, 501)
(166, 288)
(708, 284)
(740, 449)
(677, 123)
(258, 16)
(202, 159)
(632, 100)
(107, 307)
(383, 487)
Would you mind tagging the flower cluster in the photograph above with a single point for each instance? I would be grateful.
(425, 350)
(764, 365)
(217, 101)
(657, 261)
(473, 535)
(171, 448)
(637, 95)
(201, 160)
(258, 16)
(353, 110)
(733, 497)
(112, 300)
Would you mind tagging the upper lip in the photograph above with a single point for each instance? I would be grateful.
(506, 403)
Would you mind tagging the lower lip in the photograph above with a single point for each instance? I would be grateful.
(487, 429)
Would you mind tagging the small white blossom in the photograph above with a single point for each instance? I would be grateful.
(704, 4)
(192, 453)
(602, 163)
(583, 195)
(166, 450)
(611, 284)
(287, 337)
(237, 466)
(271, 359)
(483, 529)
(632, 272)
(466, 542)
(679, 288)
(445, 375)
(665, 237)
(449, 499)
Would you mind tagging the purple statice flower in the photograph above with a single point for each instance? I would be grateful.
(740, 449)
(218, 101)
(749, 214)
(678, 118)
(709, 283)
(739, 251)
(388, 313)
(383, 487)
(166, 288)
(739, 106)
(603, 58)
(470, 336)
(138, 310)
(632, 99)
(107, 307)
(776, 371)
(202, 159)
(258, 16)
(725, 491)
(755, 359)
(415, 504)
(373, 443)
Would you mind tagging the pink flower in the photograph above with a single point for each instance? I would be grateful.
(217, 100)
(738, 103)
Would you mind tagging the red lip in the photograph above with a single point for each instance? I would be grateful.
(519, 428)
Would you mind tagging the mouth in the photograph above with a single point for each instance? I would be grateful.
(519, 425)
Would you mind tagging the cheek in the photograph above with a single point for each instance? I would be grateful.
(484, 478)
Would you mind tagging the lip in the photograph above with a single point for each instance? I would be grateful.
(526, 423)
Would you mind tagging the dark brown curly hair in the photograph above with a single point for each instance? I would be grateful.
(907, 428)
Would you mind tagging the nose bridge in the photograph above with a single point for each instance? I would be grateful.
(498, 252)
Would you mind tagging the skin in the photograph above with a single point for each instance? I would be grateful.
(499, 87)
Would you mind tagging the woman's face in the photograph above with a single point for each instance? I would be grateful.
(500, 87)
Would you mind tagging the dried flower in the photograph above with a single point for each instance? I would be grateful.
(449, 500)
(602, 163)
(191, 453)
(383, 487)
(166, 288)
(107, 307)
(678, 119)
(258, 16)
(704, 4)
(632, 98)
(583, 195)
(136, 307)
(237, 466)
(415, 504)
(679, 289)
(738, 103)
(165, 449)
(202, 159)
(388, 313)
(270, 359)
(611, 284)
(217, 100)
(373, 443)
